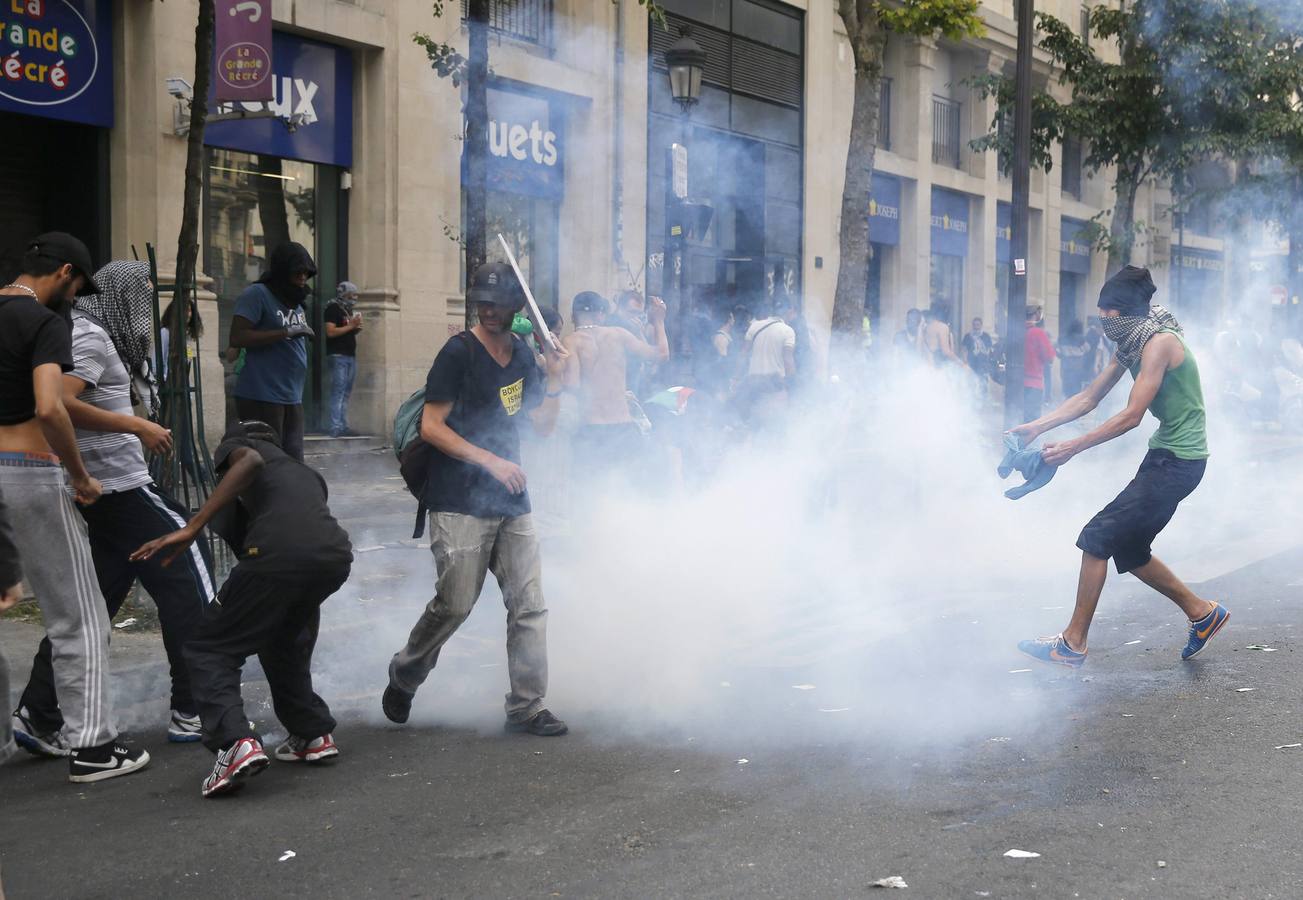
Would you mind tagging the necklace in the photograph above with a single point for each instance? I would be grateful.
(586, 327)
(24, 288)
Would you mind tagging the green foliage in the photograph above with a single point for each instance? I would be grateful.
(953, 19)
(1189, 80)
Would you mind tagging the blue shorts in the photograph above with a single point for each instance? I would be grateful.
(1124, 530)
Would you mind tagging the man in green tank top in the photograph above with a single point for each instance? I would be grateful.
(1152, 348)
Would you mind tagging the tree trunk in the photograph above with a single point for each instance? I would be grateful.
(187, 250)
(1121, 232)
(853, 266)
(477, 140)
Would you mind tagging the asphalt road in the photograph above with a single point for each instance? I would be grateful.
(1139, 777)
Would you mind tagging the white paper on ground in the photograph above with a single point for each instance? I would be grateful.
(1021, 854)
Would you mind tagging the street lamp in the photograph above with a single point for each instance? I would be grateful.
(686, 60)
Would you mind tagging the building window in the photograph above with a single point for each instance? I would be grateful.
(945, 131)
(524, 20)
(1085, 26)
(1071, 166)
(744, 145)
(884, 114)
(946, 282)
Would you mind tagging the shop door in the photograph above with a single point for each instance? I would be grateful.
(53, 177)
(253, 204)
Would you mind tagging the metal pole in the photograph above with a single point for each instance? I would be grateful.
(1016, 325)
(1179, 256)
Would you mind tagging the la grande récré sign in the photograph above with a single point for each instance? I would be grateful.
(56, 59)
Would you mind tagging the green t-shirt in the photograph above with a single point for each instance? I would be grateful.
(1178, 407)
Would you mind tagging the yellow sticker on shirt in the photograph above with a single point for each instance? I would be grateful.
(511, 395)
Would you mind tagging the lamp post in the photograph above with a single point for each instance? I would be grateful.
(686, 62)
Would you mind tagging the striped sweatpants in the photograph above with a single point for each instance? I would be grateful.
(56, 561)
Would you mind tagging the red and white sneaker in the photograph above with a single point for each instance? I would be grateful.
(314, 750)
(241, 760)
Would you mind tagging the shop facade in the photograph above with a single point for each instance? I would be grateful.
(56, 110)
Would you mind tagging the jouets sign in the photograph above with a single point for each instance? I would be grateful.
(56, 59)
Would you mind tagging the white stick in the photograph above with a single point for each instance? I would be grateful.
(529, 295)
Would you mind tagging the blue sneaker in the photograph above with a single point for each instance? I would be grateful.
(1202, 632)
(184, 728)
(1053, 650)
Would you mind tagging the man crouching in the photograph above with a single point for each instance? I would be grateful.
(293, 555)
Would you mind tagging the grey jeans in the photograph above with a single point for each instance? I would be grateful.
(51, 540)
(7, 746)
(465, 549)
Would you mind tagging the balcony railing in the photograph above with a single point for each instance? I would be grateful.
(524, 20)
(884, 114)
(945, 132)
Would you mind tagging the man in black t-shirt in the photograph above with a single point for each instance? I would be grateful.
(342, 326)
(37, 444)
(480, 519)
(293, 555)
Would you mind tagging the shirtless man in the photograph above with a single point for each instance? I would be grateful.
(935, 340)
(608, 438)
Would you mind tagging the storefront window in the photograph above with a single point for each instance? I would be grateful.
(529, 225)
(946, 283)
(254, 203)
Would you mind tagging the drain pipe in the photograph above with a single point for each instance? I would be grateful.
(617, 149)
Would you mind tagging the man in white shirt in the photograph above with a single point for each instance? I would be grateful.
(771, 366)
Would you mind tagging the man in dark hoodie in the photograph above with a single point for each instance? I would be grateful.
(270, 324)
(1150, 346)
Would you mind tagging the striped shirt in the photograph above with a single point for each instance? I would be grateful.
(117, 460)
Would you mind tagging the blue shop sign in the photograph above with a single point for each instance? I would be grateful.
(949, 222)
(313, 91)
(1003, 231)
(526, 141)
(1074, 246)
(884, 210)
(56, 59)
(1192, 259)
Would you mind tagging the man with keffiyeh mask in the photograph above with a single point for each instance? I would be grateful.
(111, 338)
(1151, 346)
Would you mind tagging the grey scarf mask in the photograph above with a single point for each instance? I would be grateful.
(1131, 333)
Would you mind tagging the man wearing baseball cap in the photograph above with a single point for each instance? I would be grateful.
(37, 445)
(480, 383)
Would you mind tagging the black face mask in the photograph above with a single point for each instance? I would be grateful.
(292, 294)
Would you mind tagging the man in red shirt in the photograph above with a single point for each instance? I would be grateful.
(1038, 353)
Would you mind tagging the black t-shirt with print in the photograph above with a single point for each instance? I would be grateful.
(30, 335)
(345, 344)
(487, 400)
(281, 525)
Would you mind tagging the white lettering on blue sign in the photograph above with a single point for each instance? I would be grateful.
(522, 142)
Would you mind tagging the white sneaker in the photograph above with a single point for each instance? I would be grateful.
(297, 749)
(241, 760)
(49, 744)
(100, 763)
(184, 729)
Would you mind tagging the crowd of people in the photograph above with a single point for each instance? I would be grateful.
(1082, 352)
(75, 346)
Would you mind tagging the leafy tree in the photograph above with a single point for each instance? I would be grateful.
(1189, 78)
(868, 25)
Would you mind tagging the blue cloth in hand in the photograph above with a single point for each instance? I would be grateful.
(1027, 460)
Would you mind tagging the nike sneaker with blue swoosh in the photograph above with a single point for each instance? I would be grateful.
(1202, 631)
(1053, 650)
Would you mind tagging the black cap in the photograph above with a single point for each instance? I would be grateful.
(588, 302)
(64, 248)
(496, 283)
(1128, 290)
